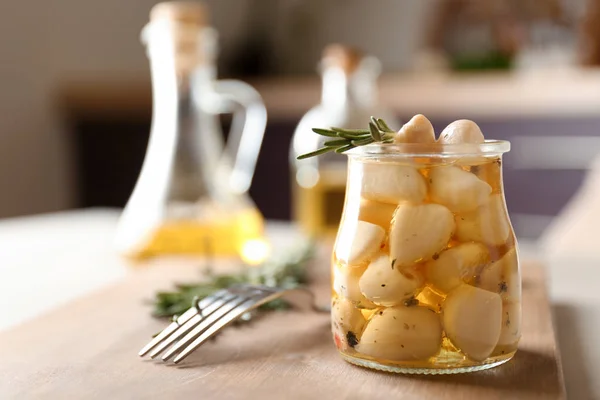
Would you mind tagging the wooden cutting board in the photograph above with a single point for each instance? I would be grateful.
(88, 348)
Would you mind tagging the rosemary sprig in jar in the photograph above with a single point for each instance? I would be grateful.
(347, 139)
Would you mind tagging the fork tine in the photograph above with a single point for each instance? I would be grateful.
(205, 323)
(182, 319)
(226, 319)
(192, 322)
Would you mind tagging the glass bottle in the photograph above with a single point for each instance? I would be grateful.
(425, 268)
(191, 196)
(348, 99)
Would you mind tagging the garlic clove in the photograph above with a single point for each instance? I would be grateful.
(488, 224)
(376, 213)
(392, 183)
(347, 323)
(402, 334)
(358, 241)
(385, 284)
(490, 171)
(502, 277)
(472, 319)
(345, 284)
(417, 130)
(419, 231)
(457, 189)
(347, 317)
(457, 265)
(461, 131)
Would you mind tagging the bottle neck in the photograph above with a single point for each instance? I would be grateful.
(185, 48)
(341, 90)
(182, 62)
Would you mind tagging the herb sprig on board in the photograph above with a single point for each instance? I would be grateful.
(346, 139)
(288, 271)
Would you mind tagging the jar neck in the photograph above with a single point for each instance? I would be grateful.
(488, 165)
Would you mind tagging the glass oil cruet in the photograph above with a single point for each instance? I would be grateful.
(348, 99)
(192, 193)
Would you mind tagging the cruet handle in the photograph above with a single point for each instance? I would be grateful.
(247, 130)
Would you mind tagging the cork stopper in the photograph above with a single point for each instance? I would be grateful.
(187, 26)
(181, 12)
(345, 57)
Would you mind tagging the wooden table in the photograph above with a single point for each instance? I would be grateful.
(87, 348)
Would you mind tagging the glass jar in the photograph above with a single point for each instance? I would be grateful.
(425, 269)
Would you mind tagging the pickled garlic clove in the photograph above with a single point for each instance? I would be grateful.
(489, 171)
(392, 183)
(419, 231)
(457, 265)
(461, 131)
(376, 213)
(347, 317)
(472, 320)
(511, 323)
(345, 284)
(488, 224)
(503, 277)
(385, 284)
(402, 334)
(457, 189)
(417, 130)
(358, 241)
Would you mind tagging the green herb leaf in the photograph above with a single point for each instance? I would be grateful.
(375, 132)
(347, 139)
(335, 143)
(351, 131)
(325, 132)
(374, 121)
(289, 272)
(344, 148)
(352, 136)
(362, 142)
(384, 126)
(316, 153)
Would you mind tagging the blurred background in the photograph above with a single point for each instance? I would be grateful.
(76, 102)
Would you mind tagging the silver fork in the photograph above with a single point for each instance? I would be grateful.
(208, 316)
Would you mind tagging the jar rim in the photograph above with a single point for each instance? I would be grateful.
(487, 148)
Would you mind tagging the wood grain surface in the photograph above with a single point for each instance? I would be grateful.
(87, 349)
